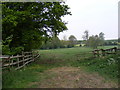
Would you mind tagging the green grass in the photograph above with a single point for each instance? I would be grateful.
(106, 67)
(21, 78)
(60, 57)
(76, 57)
(82, 57)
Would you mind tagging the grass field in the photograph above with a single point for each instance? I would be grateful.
(106, 66)
(71, 57)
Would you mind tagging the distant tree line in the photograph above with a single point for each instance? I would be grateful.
(55, 43)
(97, 40)
(89, 41)
(94, 40)
(111, 42)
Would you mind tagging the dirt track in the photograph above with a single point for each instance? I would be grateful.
(71, 77)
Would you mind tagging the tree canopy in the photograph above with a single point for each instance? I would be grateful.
(101, 37)
(86, 35)
(72, 40)
(25, 25)
(94, 40)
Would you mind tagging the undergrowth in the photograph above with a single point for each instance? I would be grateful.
(22, 77)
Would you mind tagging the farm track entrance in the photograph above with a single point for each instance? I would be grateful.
(72, 77)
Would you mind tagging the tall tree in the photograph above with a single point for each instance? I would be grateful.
(64, 42)
(28, 24)
(56, 42)
(101, 37)
(93, 41)
(53, 43)
(72, 40)
(86, 37)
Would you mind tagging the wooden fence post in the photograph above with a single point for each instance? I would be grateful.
(18, 61)
(23, 59)
(12, 61)
(115, 49)
(103, 52)
(33, 56)
(98, 53)
(9, 63)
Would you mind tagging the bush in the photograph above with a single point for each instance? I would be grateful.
(5, 50)
(70, 46)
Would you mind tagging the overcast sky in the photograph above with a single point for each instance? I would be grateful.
(93, 15)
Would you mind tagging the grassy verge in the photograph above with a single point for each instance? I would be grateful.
(106, 66)
(21, 78)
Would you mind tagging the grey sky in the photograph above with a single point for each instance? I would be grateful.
(93, 15)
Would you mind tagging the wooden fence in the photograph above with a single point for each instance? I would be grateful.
(104, 52)
(18, 61)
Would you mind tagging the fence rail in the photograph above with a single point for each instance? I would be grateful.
(18, 61)
(104, 52)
